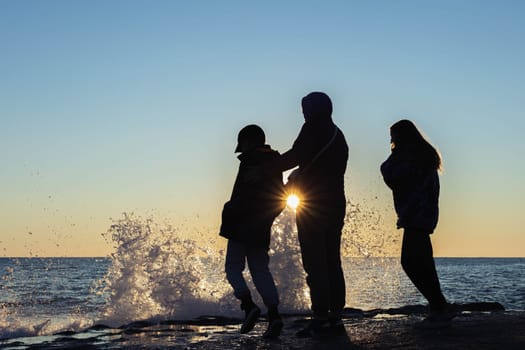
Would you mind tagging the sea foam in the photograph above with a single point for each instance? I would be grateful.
(157, 272)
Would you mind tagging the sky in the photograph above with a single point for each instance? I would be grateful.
(134, 106)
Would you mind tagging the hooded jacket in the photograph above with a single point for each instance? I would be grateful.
(321, 181)
(249, 214)
(415, 189)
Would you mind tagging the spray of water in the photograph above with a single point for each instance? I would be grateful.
(368, 230)
(163, 271)
(158, 272)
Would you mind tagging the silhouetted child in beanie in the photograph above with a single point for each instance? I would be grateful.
(247, 219)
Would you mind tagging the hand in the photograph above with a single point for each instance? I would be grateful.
(294, 175)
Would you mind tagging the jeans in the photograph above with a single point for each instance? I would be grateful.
(236, 256)
(320, 241)
(418, 262)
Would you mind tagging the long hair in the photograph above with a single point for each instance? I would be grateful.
(407, 138)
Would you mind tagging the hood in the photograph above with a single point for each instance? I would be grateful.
(317, 108)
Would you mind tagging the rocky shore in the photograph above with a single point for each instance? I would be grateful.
(477, 326)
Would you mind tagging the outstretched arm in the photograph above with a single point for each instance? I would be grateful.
(301, 146)
(288, 160)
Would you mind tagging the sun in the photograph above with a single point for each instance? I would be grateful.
(293, 201)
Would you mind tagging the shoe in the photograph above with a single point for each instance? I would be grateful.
(274, 329)
(337, 327)
(316, 328)
(252, 315)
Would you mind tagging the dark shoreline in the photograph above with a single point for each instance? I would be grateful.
(478, 326)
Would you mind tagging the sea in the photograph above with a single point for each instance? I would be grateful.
(156, 274)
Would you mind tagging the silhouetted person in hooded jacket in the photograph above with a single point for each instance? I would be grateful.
(321, 152)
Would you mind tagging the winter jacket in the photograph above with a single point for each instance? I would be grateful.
(321, 181)
(415, 189)
(249, 214)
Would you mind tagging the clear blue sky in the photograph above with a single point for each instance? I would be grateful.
(112, 106)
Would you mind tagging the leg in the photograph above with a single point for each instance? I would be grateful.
(418, 262)
(335, 271)
(320, 240)
(234, 266)
(258, 261)
(312, 240)
(235, 263)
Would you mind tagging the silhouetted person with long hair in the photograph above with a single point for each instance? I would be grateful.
(247, 219)
(411, 172)
(321, 152)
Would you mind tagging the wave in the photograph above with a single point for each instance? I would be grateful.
(162, 272)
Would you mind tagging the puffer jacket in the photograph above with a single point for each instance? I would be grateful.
(415, 189)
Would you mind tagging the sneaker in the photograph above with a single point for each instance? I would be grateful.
(316, 328)
(274, 329)
(252, 315)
